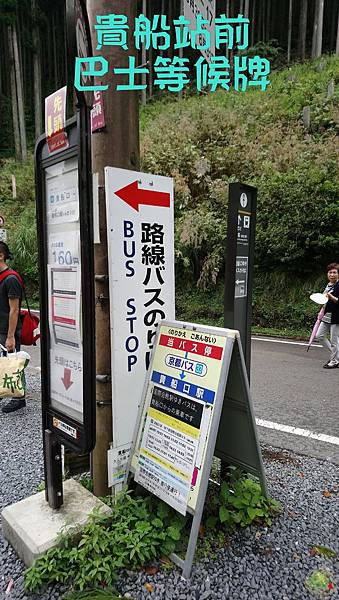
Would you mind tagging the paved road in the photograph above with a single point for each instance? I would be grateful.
(290, 387)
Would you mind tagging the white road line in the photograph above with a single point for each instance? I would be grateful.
(321, 437)
(284, 342)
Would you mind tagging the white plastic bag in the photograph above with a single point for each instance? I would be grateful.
(12, 373)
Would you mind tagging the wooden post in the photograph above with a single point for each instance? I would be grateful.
(116, 146)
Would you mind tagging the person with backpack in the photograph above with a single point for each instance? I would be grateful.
(11, 292)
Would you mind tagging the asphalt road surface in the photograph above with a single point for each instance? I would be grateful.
(290, 388)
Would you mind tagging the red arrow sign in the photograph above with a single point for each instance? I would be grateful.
(134, 196)
(66, 379)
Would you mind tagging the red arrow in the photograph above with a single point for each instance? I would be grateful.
(134, 196)
(66, 379)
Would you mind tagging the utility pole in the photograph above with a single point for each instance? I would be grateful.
(116, 146)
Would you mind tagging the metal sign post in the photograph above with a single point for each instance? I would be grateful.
(240, 243)
(65, 235)
(184, 399)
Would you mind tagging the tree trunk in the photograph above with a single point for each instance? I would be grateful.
(227, 15)
(253, 24)
(289, 35)
(20, 101)
(36, 73)
(117, 146)
(16, 132)
(319, 42)
(268, 21)
(247, 8)
(55, 54)
(318, 29)
(337, 44)
(303, 28)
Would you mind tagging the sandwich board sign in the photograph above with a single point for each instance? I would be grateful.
(184, 399)
(140, 226)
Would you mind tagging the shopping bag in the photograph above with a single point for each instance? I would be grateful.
(12, 373)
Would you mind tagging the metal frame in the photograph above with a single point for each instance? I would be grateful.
(186, 564)
(78, 130)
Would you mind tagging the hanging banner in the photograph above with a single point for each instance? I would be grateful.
(55, 120)
(140, 224)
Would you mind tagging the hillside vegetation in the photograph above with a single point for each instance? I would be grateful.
(206, 142)
(257, 138)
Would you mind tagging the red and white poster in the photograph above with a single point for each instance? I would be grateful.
(98, 120)
(55, 120)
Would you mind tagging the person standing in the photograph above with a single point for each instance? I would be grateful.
(330, 321)
(10, 324)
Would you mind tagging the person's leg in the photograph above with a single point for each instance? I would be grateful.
(323, 331)
(334, 345)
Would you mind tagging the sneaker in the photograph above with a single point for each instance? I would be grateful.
(333, 364)
(14, 405)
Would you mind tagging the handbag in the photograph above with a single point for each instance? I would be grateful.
(12, 373)
(30, 331)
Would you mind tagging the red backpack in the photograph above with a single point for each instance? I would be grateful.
(30, 331)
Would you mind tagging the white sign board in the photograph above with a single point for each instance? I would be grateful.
(206, 8)
(178, 410)
(64, 288)
(140, 224)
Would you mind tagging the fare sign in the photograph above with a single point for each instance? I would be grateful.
(140, 223)
(180, 401)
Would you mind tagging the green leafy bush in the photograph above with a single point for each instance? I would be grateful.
(205, 143)
(138, 531)
(240, 503)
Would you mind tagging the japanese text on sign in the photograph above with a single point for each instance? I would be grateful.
(174, 74)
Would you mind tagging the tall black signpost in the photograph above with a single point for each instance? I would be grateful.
(240, 243)
(65, 235)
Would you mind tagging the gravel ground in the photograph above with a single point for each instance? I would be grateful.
(258, 564)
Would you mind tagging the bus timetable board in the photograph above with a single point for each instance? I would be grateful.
(184, 399)
(65, 234)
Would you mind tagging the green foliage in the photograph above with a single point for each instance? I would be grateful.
(87, 482)
(258, 138)
(281, 303)
(323, 551)
(20, 220)
(320, 581)
(96, 594)
(240, 503)
(138, 531)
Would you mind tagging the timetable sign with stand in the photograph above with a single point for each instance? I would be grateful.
(178, 421)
